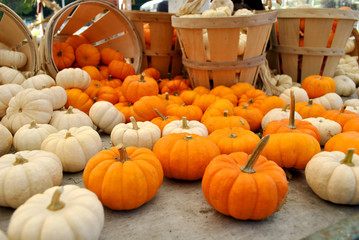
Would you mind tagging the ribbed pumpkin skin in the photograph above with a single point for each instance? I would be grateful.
(185, 159)
(343, 141)
(242, 195)
(124, 186)
(63, 55)
(136, 86)
(317, 86)
(78, 99)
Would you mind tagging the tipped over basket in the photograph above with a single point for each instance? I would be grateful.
(216, 61)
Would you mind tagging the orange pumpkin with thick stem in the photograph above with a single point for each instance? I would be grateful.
(217, 122)
(251, 114)
(109, 54)
(161, 121)
(245, 186)
(343, 141)
(63, 55)
(78, 99)
(185, 156)
(317, 86)
(340, 116)
(124, 178)
(87, 55)
(120, 69)
(76, 40)
(136, 86)
(181, 110)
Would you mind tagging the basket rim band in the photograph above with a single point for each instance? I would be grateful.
(329, 13)
(162, 53)
(225, 65)
(142, 16)
(314, 51)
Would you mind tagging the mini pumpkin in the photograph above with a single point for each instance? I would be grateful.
(326, 128)
(63, 55)
(341, 116)
(78, 99)
(120, 69)
(6, 140)
(71, 117)
(7, 91)
(180, 126)
(343, 141)
(136, 86)
(110, 54)
(317, 86)
(10, 75)
(331, 101)
(87, 55)
(57, 96)
(253, 116)
(73, 78)
(161, 121)
(39, 82)
(191, 112)
(218, 122)
(310, 109)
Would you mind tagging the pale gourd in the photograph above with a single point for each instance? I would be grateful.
(73, 78)
(278, 114)
(218, 12)
(10, 75)
(74, 147)
(243, 12)
(59, 213)
(28, 105)
(6, 140)
(333, 176)
(331, 101)
(30, 136)
(352, 109)
(350, 45)
(180, 126)
(281, 82)
(57, 95)
(11, 58)
(27, 173)
(105, 116)
(138, 134)
(7, 91)
(215, 4)
(71, 117)
(39, 82)
(348, 65)
(344, 86)
(242, 43)
(300, 95)
(352, 102)
(326, 128)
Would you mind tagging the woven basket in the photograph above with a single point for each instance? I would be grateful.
(100, 22)
(313, 54)
(15, 34)
(223, 66)
(162, 54)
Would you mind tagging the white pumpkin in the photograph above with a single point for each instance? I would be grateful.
(300, 95)
(28, 105)
(39, 82)
(139, 134)
(333, 176)
(27, 173)
(57, 96)
(73, 78)
(11, 58)
(30, 136)
(352, 102)
(10, 75)
(6, 140)
(281, 82)
(352, 109)
(218, 12)
(344, 86)
(242, 43)
(331, 101)
(326, 128)
(74, 147)
(106, 116)
(350, 45)
(278, 114)
(71, 117)
(180, 126)
(215, 4)
(66, 212)
(7, 91)
(243, 12)
(348, 65)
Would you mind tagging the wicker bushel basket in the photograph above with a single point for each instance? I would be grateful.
(220, 64)
(309, 41)
(100, 22)
(163, 51)
(15, 34)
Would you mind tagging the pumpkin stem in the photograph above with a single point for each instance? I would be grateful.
(55, 203)
(233, 135)
(33, 124)
(175, 93)
(342, 109)
(59, 53)
(310, 103)
(134, 123)
(167, 96)
(225, 113)
(251, 100)
(185, 123)
(284, 109)
(123, 156)
(142, 78)
(291, 124)
(248, 167)
(349, 157)
(188, 137)
(161, 115)
(68, 134)
(19, 160)
(245, 106)
(69, 110)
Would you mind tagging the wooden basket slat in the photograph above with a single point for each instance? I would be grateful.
(8, 25)
(223, 78)
(199, 78)
(83, 14)
(63, 18)
(226, 37)
(193, 47)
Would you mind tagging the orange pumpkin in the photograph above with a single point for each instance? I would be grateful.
(174, 86)
(340, 116)
(252, 97)
(343, 141)
(217, 109)
(112, 82)
(87, 55)
(104, 71)
(201, 90)
(123, 178)
(170, 99)
(94, 73)
(351, 125)
(225, 92)
(161, 121)
(144, 109)
(218, 122)
(92, 90)
(188, 97)
(317, 86)
(153, 73)
(78, 99)
(120, 69)
(181, 110)
(253, 116)
(136, 86)
(63, 55)
(240, 88)
(310, 109)
(107, 93)
(125, 108)
(270, 103)
(185, 156)
(109, 54)
(244, 186)
(76, 40)
(203, 101)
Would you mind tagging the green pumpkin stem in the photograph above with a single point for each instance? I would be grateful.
(349, 157)
(69, 110)
(188, 137)
(248, 167)
(134, 123)
(142, 78)
(291, 124)
(123, 156)
(33, 124)
(185, 123)
(55, 203)
(161, 115)
(19, 160)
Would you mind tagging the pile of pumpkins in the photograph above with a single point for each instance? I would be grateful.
(162, 127)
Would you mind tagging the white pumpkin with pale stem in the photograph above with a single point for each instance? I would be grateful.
(57, 96)
(344, 86)
(138, 134)
(39, 82)
(7, 91)
(30, 136)
(180, 126)
(11, 58)
(67, 212)
(281, 82)
(105, 116)
(333, 176)
(27, 173)
(6, 140)
(326, 128)
(352, 109)
(10, 75)
(331, 101)
(74, 147)
(28, 105)
(71, 117)
(73, 78)
(300, 95)
(352, 102)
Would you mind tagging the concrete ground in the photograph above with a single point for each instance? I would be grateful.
(179, 211)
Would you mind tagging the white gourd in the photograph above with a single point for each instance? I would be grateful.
(11, 58)
(300, 95)
(6, 140)
(326, 128)
(242, 43)
(215, 4)
(7, 91)
(73, 78)
(278, 114)
(352, 102)
(180, 126)
(39, 82)
(71, 117)
(57, 95)
(243, 12)
(331, 101)
(281, 82)
(350, 45)
(10, 75)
